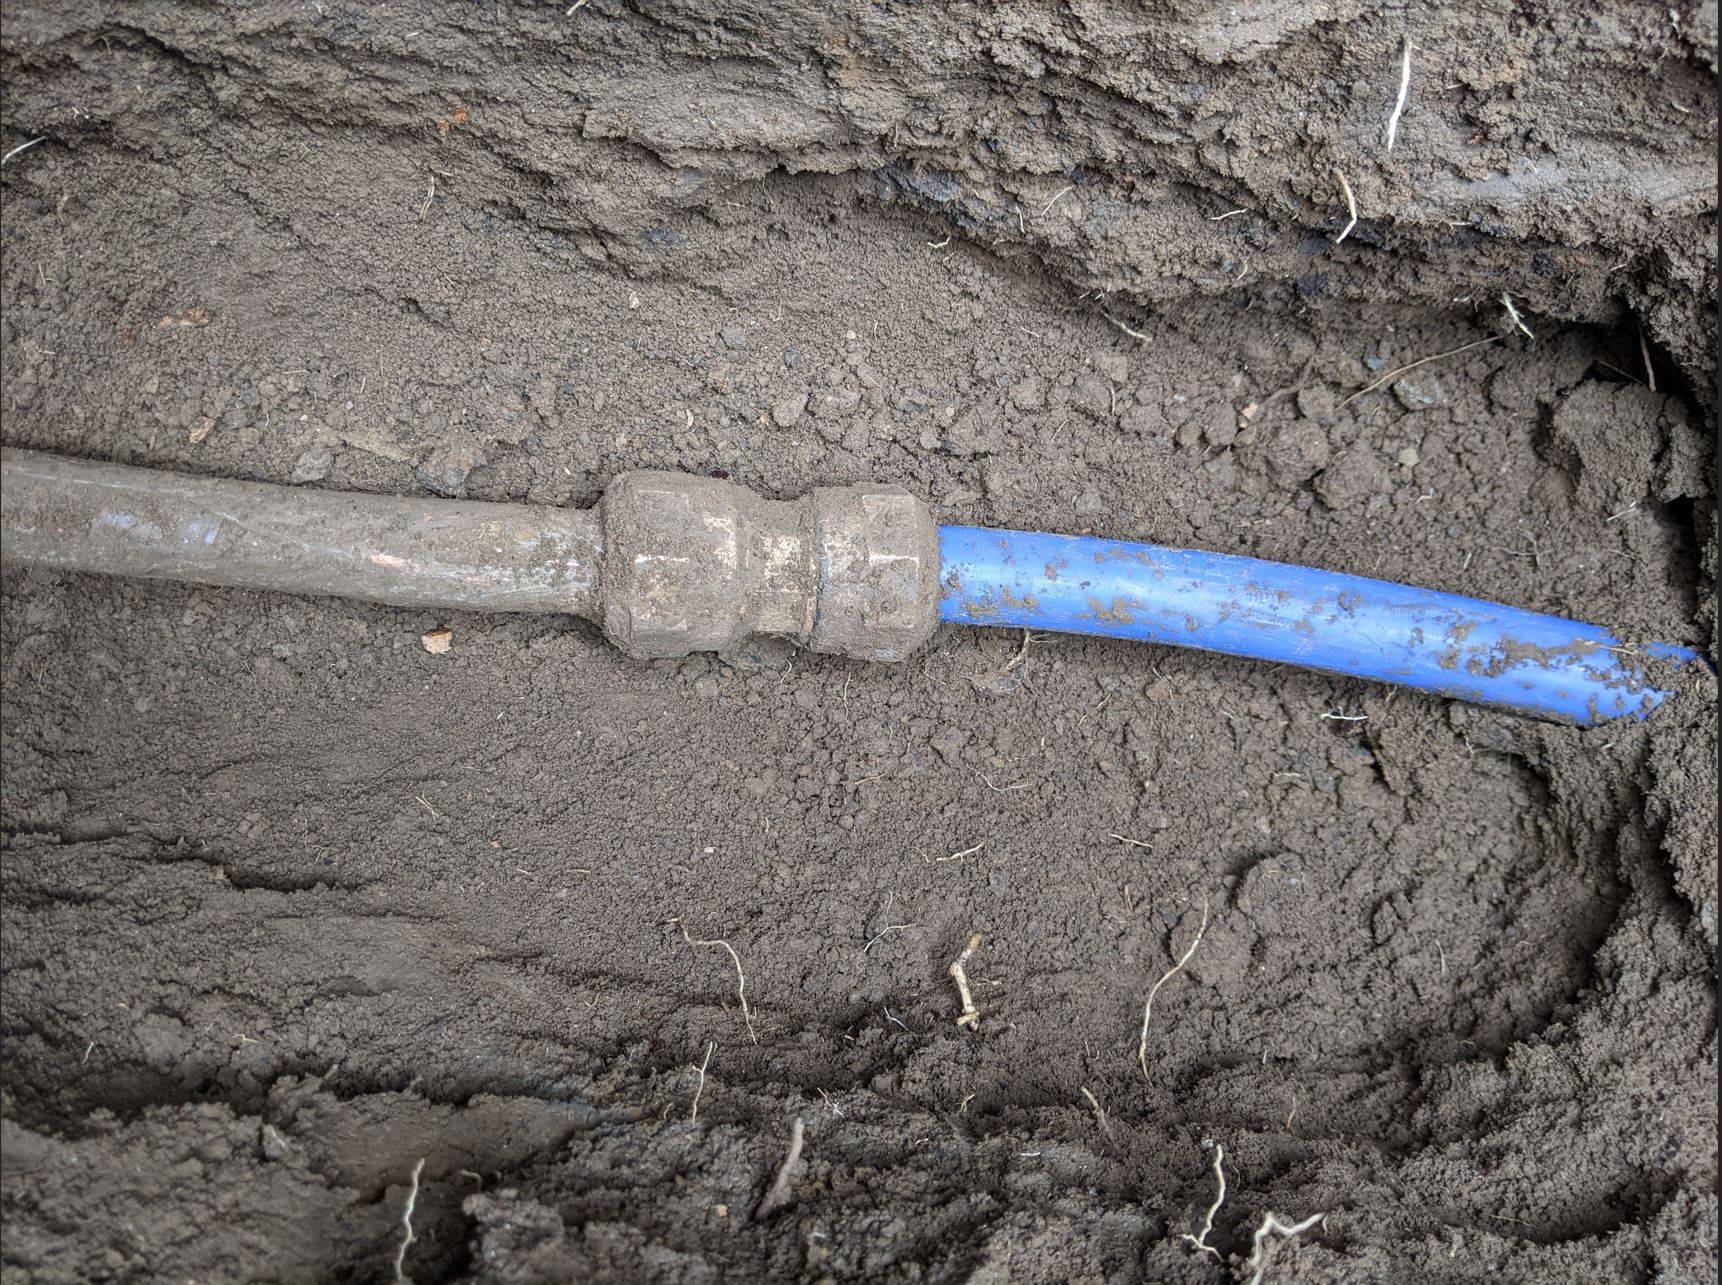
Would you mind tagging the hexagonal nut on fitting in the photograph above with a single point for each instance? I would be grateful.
(878, 572)
(672, 566)
(696, 564)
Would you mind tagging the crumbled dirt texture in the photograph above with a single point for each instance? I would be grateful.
(291, 903)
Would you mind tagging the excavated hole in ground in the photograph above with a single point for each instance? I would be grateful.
(291, 903)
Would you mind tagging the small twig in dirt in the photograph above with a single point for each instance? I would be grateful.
(778, 1196)
(1229, 214)
(740, 977)
(1394, 374)
(1134, 843)
(1644, 355)
(1137, 335)
(407, 1238)
(1200, 1239)
(1168, 975)
(575, 8)
(22, 147)
(888, 928)
(429, 197)
(835, 1109)
(970, 1016)
(694, 1114)
(1063, 192)
(1260, 1253)
(1404, 93)
(1514, 317)
(1350, 205)
(958, 856)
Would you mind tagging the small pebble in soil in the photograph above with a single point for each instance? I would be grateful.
(313, 465)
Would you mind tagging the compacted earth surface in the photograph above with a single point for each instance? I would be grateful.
(331, 957)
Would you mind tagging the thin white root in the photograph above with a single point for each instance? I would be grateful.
(1350, 205)
(711, 1047)
(1099, 1112)
(1200, 1239)
(407, 1237)
(1514, 317)
(1261, 1251)
(970, 1016)
(1404, 93)
(740, 977)
(22, 147)
(1383, 380)
(1644, 355)
(1022, 652)
(1168, 975)
(1137, 335)
(778, 1196)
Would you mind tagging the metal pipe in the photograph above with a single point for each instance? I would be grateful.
(120, 521)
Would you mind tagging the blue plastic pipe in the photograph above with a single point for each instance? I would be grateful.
(1437, 642)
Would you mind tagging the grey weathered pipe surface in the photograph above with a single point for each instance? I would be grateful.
(115, 520)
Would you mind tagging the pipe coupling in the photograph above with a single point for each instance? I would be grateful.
(698, 564)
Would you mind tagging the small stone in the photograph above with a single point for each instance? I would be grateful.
(437, 641)
(313, 465)
(1189, 433)
(835, 402)
(733, 336)
(1409, 457)
(446, 469)
(275, 1144)
(786, 411)
(1418, 393)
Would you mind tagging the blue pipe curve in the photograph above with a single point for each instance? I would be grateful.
(1437, 642)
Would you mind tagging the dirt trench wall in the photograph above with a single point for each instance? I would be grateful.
(292, 904)
(1560, 154)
